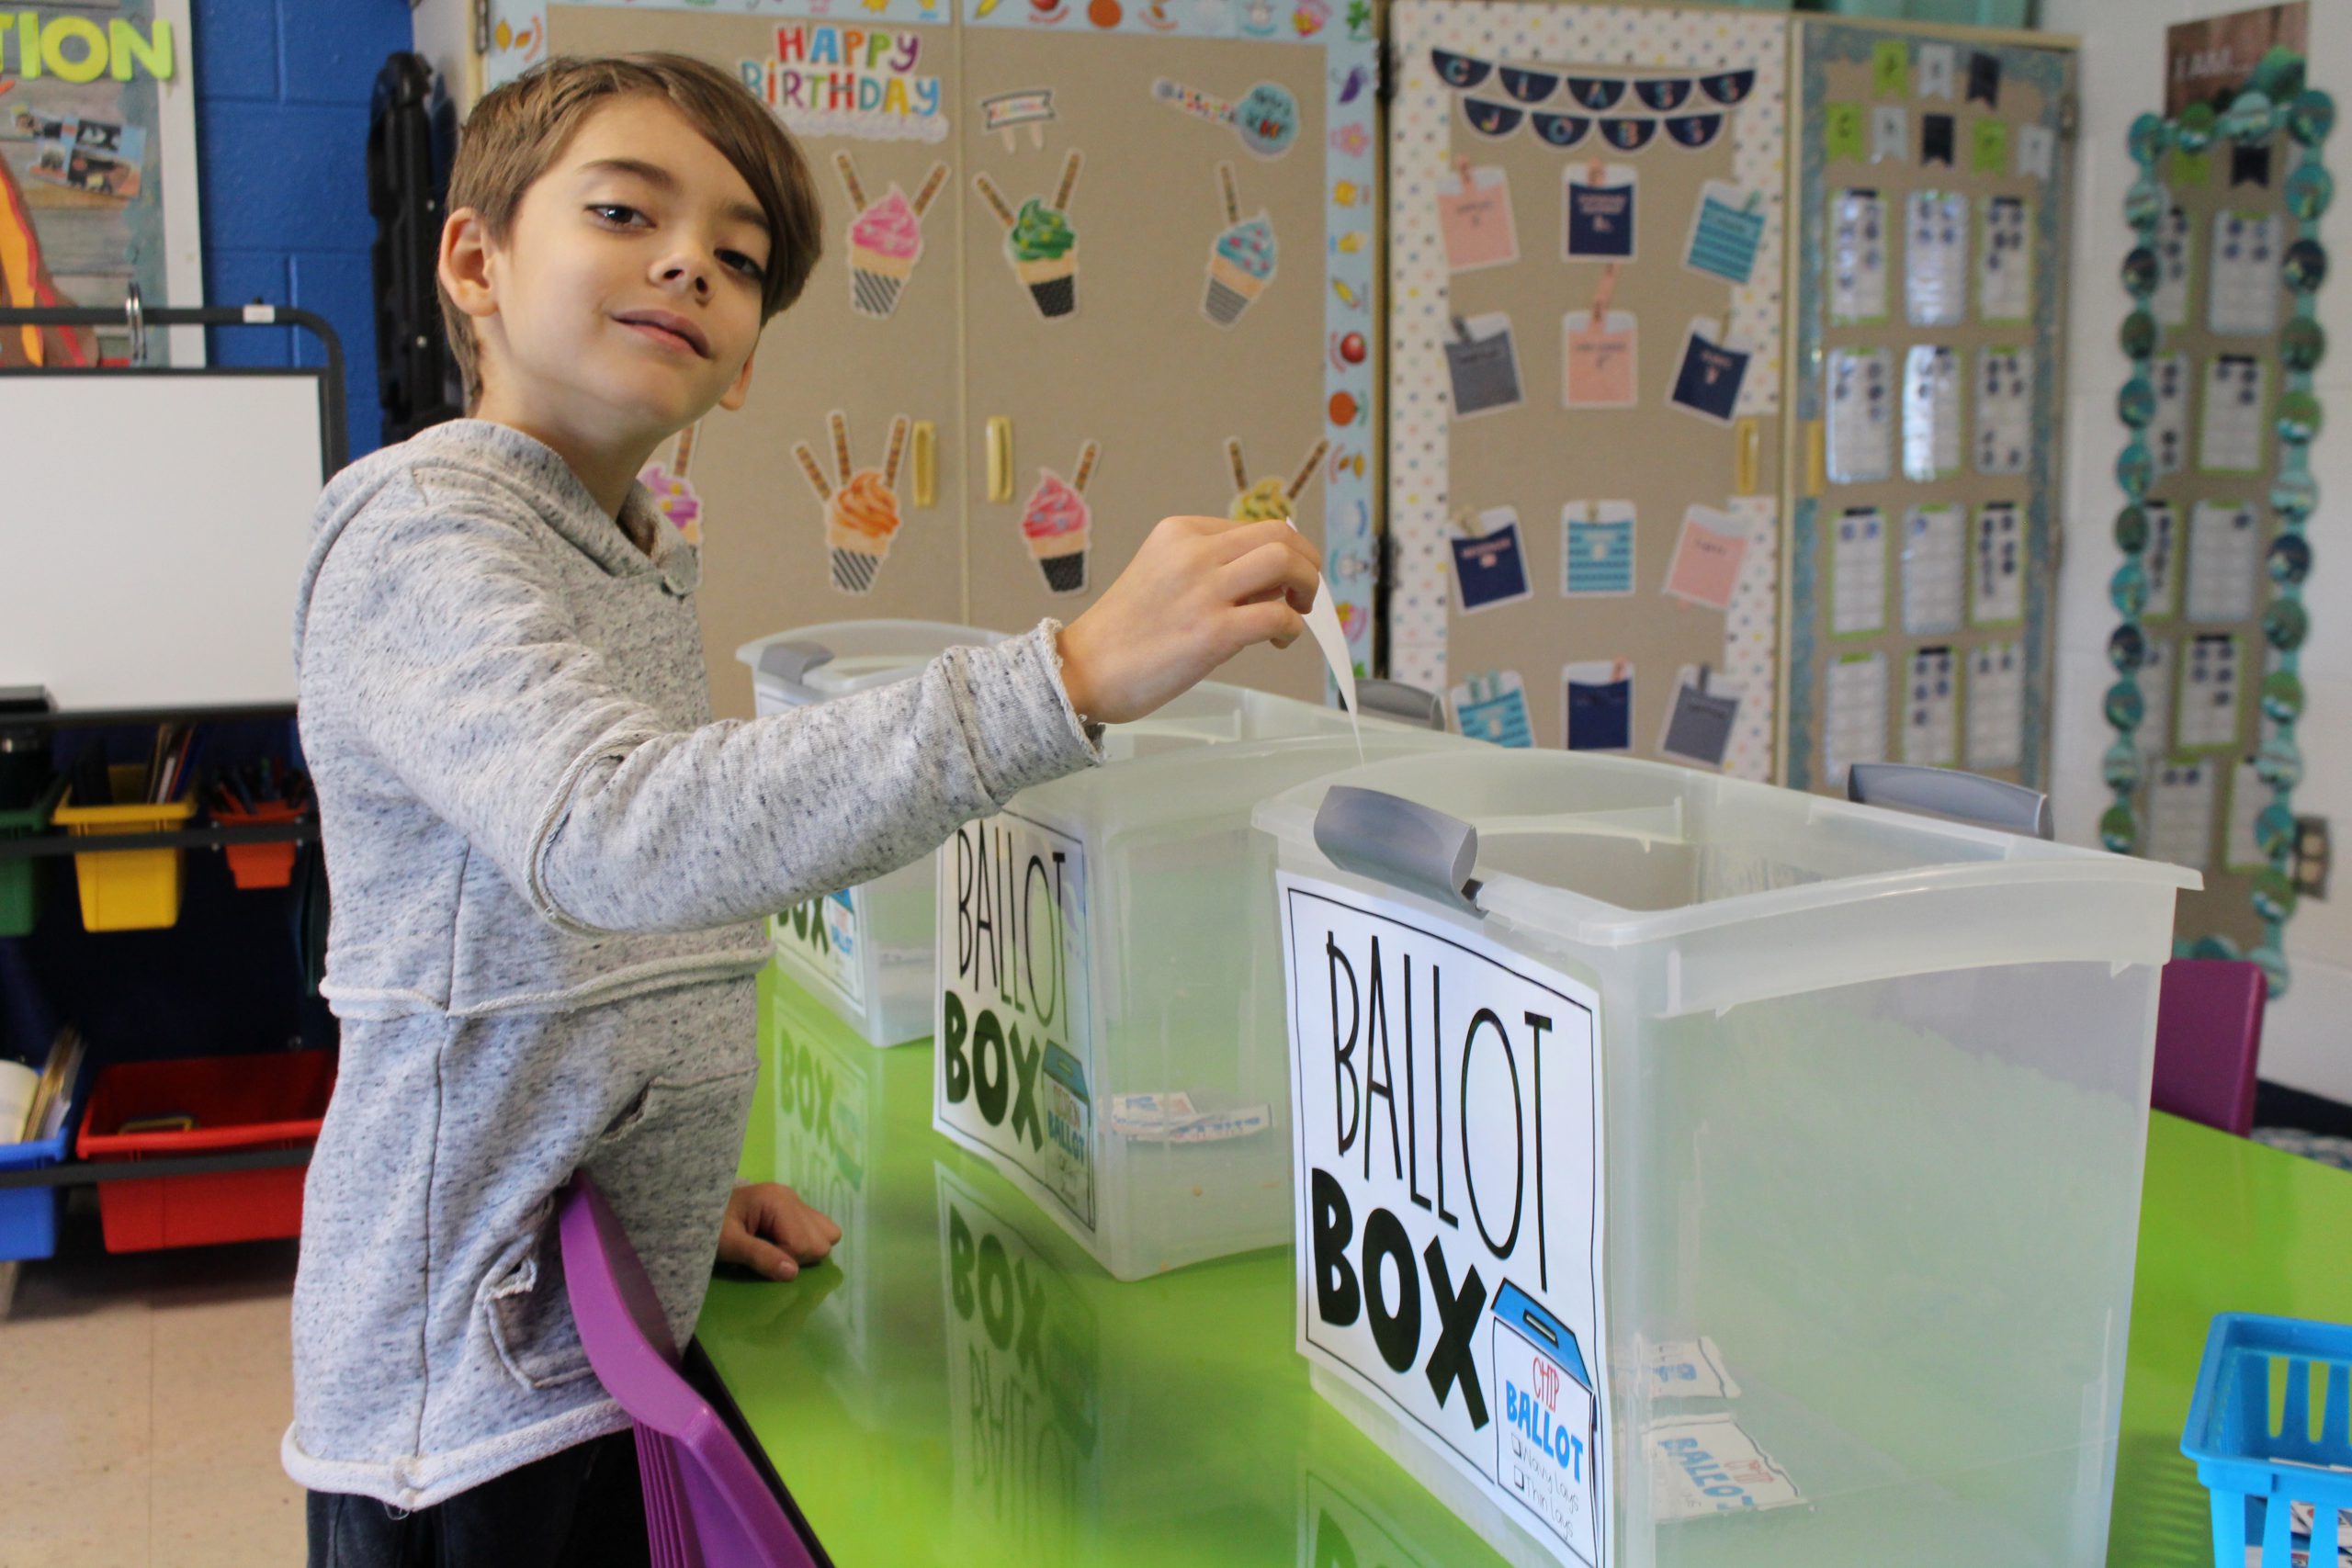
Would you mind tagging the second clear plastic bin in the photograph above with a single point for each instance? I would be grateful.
(865, 950)
(1846, 1111)
(1122, 1064)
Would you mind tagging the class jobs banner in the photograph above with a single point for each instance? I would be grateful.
(1449, 1188)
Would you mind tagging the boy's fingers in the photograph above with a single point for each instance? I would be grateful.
(1268, 572)
(768, 1258)
(1240, 539)
(1272, 621)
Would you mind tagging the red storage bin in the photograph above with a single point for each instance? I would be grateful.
(239, 1102)
(260, 865)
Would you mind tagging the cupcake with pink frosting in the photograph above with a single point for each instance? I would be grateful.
(884, 242)
(1056, 523)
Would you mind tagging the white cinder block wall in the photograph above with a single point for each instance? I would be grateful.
(2307, 1040)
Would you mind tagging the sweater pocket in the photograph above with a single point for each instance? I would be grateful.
(522, 1304)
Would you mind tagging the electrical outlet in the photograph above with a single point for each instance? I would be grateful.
(2311, 856)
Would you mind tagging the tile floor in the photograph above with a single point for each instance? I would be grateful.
(146, 1393)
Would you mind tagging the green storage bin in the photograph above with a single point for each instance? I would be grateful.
(20, 879)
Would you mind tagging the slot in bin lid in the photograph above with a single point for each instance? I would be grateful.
(815, 664)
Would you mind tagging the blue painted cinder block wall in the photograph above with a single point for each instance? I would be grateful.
(282, 127)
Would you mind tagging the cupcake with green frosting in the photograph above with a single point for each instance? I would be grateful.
(1043, 251)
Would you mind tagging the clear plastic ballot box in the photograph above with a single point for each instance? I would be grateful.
(1107, 1034)
(865, 950)
(1695, 1172)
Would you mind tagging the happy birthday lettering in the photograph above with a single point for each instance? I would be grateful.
(821, 69)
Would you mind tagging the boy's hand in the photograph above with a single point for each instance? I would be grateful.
(770, 1231)
(1200, 591)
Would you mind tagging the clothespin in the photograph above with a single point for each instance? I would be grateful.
(1605, 291)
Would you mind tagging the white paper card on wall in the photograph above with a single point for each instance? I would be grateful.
(1703, 1465)
(2180, 811)
(1935, 568)
(2160, 559)
(2153, 737)
(1931, 708)
(1856, 703)
(2175, 244)
(1482, 362)
(1493, 708)
(1934, 258)
(1937, 64)
(1858, 572)
(1727, 231)
(1999, 577)
(2209, 693)
(1473, 217)
(1997, 706)
(2244, 299)
(2224, 551)
(1600, 359)
(2005, 438)
(1931, 412)
(2231, 432)
(1598, 202)
(1509, 1384)
(1858, 253)
(2167, 439)
(1861, 415)
(1000, 972)
(1700, 720)
(2003, 264)
(2037, 152)
(2248, 795)
(1890, 133)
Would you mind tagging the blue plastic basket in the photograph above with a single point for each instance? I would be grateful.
(28, 1214)
(2257, 1471)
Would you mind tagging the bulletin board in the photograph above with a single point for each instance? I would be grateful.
(1933, 196)
(1585, 373)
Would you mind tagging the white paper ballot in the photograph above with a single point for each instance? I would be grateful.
(2004, 411)
(1935, 568)
(1323, 623)
(1858, 250)
(2160, 559)
(1861, 415)
(1856, 728)
(2180, 811)
(2037, 152)
(1931, 708)
(2248, 795)
(1997, 706)
(2224, 551)
(2167, 437)
(2154, 738)
(2209, 693)
(2174, 243)
(2231, 434)
(1932, 401)
(1935, 261)
(2003, 264)
(1858, 572)
(1999, 597)
(2244, 299)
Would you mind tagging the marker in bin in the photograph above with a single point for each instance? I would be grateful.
(1547, 1445)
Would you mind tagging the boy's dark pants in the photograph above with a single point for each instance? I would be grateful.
(579, 1508)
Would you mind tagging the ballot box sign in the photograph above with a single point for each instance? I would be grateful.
(1012, 1079)
(1449, 1181)
(820, 941)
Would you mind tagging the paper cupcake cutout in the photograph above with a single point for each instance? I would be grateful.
(1269, 500)
(1040, 244)
(1241, 258)
(1058, 524)
(862, 515)
(885, 237)
(673, 495)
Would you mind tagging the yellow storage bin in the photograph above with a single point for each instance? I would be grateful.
(127, 890)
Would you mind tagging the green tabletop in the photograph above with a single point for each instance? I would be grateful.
(964, 1385)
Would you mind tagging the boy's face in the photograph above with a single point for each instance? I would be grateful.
(625, 304)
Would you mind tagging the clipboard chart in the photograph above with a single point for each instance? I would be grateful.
(1585, 271)
(2219, 413)
(1933, 187)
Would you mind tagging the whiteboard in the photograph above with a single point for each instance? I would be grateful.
(152, 526)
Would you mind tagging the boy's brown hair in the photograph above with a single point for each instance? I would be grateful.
(517, 131)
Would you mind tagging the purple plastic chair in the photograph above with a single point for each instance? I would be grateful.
(708, 1504)
(2209, 1038)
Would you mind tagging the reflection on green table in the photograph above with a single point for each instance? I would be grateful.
(964, 1385)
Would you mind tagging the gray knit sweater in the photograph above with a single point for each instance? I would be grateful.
(547, 864)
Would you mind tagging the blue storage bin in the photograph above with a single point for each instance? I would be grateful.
(2258, 1473)
(28, 1214)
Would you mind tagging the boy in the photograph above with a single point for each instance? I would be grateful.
(547, 859)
